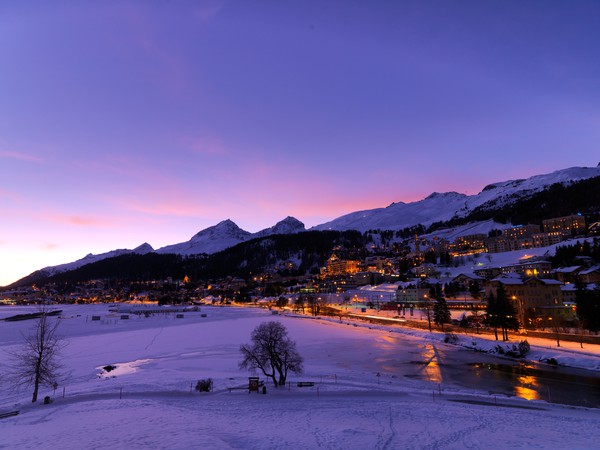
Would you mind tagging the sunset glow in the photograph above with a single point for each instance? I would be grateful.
(131, 122)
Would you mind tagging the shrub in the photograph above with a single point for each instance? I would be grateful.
(524, 348)
(451, 338)
(109, 368)
(514, 351)
(204, 385)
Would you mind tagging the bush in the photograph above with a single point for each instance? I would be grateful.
(451, 338)
(514, 351)
(204, 385)
(524, 348)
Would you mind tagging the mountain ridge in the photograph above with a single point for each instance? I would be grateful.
(436, 208)
(441, 207)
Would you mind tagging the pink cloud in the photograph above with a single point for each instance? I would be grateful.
(50, 246)
(21, 156)
(79, 221)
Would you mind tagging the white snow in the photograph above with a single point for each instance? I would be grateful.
(358, 401)
(227, 234)
(443, 206)
(91, 258)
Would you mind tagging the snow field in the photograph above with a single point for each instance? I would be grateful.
(350, 407)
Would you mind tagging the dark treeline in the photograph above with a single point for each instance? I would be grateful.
(310, 248)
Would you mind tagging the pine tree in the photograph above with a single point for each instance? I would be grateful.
(441, 313)
(588, 307)
(492, 313)
(501, 313)
(508, 313)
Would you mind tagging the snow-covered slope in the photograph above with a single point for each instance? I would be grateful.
(227, 234)
(444, 206)
(91, 258)
(400, 215)
(210, 240)
(289, 225)
(451, 234)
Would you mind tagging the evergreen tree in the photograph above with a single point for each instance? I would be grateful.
(492, 314)
(588, 307)
(441, 313)
(507, 312)
(474, 289)
(501, 313)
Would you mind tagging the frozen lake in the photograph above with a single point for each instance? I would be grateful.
(373, 389)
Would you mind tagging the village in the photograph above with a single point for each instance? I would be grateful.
(399, 278)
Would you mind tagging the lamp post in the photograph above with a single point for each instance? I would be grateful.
(519, 303)
(427, 310)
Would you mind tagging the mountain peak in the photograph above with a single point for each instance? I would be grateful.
(452, 194)
(439, 207)
(143, 249)
(289, 225)
(291, 222)
(224, 229)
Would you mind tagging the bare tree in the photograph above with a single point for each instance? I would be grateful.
(315, 304)
(271, 351)
(300, 303)
(35, 363)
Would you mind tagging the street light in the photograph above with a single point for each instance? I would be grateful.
(427, 310)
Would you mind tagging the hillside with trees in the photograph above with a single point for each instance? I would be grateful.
(556, 201)
(308, 250)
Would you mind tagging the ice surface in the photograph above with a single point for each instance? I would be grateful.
(350, 406)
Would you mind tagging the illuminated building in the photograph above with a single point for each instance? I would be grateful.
(336, 266)
(573, 225)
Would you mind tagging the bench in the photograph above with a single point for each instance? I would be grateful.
(247, 387)
(305, 384)
(9, 414)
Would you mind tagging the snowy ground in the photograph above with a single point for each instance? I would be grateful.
(146, 402)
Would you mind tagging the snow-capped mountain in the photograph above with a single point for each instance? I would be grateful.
(210, 240)
(436, 207)
(227, 234)
(289, 225)
(444, 206)
(91, 258)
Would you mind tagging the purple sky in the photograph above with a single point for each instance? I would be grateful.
(124, 122)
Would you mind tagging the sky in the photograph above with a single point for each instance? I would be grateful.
(123, 122)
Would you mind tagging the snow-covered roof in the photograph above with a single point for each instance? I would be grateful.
(386, 288)
(569, 269)
(590, 270)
